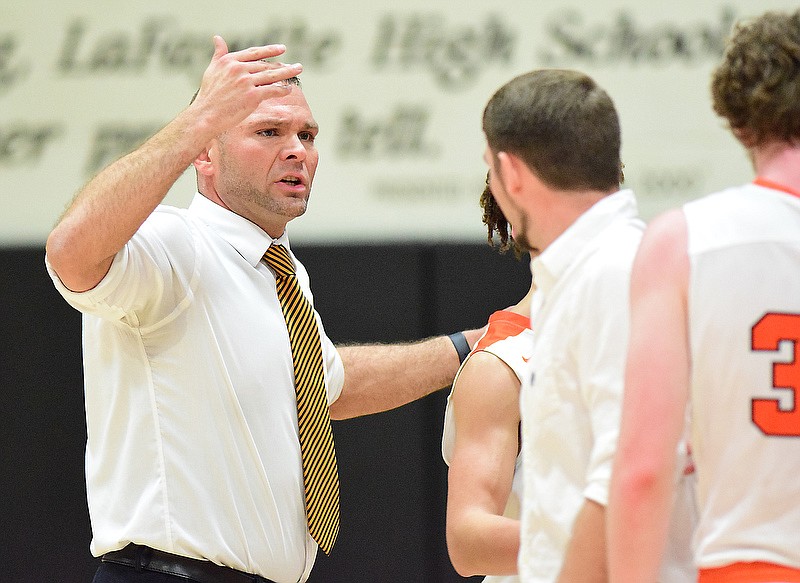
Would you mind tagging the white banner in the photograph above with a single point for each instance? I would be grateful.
(398, 90)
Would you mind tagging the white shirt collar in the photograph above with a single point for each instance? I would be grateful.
(249, 240)
(551, 264)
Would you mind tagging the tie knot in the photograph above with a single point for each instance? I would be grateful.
(277, 257)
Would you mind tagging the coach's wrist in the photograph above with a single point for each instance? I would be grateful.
(460, 344)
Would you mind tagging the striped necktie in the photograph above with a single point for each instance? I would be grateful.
(313, 417)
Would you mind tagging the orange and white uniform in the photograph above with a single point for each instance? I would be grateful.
(744, 328)
(509, 338)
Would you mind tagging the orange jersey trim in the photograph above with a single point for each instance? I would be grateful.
(775, 186)
(758, 572)
(502, 324)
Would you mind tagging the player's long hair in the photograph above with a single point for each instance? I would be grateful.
(496, 222)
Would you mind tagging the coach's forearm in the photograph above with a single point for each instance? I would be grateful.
(380, 377)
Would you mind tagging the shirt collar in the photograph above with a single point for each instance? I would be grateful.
(771, 184)
(551, 264)
(249, 240)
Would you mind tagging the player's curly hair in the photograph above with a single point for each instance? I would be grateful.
(496, 222)
(756, 88)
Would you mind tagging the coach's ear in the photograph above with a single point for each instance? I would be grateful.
(205, 161)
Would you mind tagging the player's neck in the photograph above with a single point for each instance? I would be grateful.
(524, 305)
(778, 163)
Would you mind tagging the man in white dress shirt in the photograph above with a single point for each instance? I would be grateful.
(193, 457)
(553, 151)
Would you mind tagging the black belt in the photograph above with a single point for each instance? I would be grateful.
(139, 557)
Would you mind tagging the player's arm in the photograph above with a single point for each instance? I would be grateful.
(113, 205)
(380, 377)
(485, 401)
(585, 558)
(656, 393)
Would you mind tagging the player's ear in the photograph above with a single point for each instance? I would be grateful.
(511, 169)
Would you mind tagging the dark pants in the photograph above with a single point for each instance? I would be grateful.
(111, 573)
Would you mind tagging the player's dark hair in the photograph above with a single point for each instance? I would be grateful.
(561, 124)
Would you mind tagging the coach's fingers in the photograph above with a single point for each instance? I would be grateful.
(220, 47)
(258, 53)
(276, 74)
(262, 65)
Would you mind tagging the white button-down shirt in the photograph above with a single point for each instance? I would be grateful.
(190, 402)
(571, 398)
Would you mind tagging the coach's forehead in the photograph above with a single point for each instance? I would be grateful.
(289, 109)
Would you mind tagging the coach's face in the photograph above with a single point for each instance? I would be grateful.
(264, 167)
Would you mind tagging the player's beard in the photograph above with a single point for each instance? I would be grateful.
(520, 234)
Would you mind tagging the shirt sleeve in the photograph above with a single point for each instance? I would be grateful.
(602, 352)
(334, 368)
(149, 277)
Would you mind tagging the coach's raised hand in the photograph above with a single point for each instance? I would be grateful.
(113, 205)
(235, 83)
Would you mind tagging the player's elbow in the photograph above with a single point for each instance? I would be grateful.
(462, 556)
(631, 485)
(463, 564)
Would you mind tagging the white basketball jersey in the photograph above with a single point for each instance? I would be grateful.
(744, 327)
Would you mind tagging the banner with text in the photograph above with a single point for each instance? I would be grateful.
(398, 90)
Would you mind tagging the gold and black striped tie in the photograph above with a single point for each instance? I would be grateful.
(320, 475)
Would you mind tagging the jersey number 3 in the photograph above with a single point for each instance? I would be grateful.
(767, 334)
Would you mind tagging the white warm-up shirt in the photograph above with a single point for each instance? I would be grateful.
(190, 401)
(572, 395)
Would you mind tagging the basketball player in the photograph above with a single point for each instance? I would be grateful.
(715, 325)
(481, 440)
